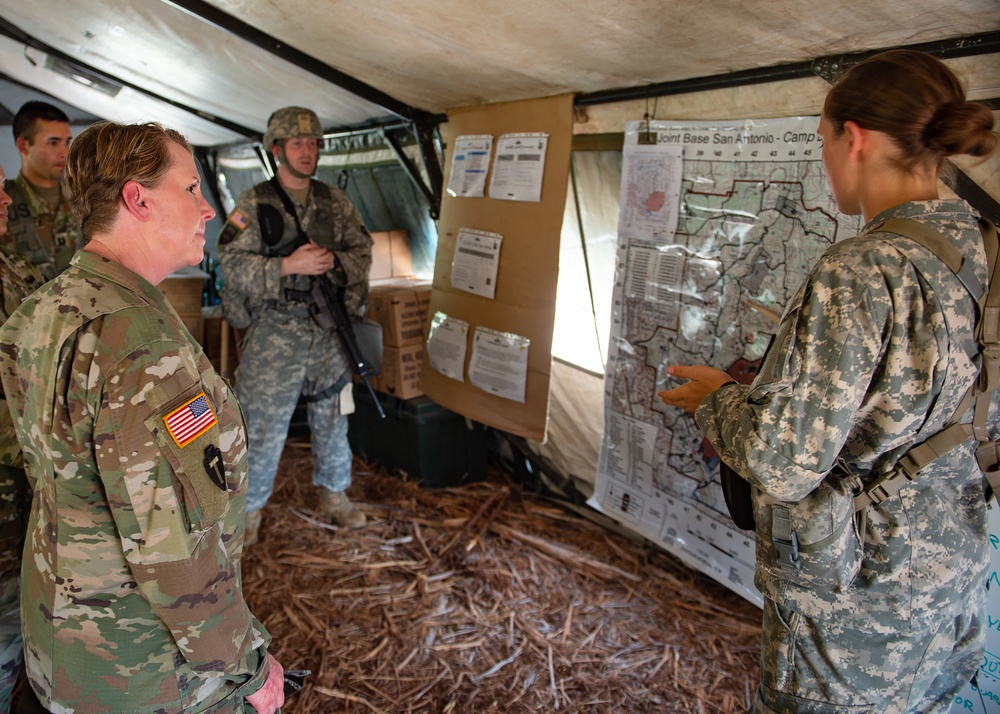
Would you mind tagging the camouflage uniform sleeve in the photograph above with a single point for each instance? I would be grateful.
(353, 248)
(353, 243)
(179, 529)
(244, 267)
(785, 432)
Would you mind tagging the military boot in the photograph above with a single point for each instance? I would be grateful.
(336, 505)
(253, 528)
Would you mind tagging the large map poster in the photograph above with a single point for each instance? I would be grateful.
(720, 222)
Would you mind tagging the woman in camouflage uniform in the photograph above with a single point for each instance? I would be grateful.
(873, 355)
(136, 452)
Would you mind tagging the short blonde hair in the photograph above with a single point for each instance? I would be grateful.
(105, 157)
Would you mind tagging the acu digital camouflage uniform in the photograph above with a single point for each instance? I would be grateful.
(46, 236)
(132, 597)
(18, 279)
(873, 354)
(285, 353)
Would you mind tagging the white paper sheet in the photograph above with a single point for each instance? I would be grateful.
(446, 345)
(474, 267)
(519, 167)
(469, 165)
(499, 363)
(650, 192)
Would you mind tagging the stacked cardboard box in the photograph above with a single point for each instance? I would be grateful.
(400, 307)
(183, 291)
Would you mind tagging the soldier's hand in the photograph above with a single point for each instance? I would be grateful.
(704, 381)
(307, 259)
(269, 698)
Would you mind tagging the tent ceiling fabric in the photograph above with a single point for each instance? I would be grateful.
(455, 53)
(165, 50)
(437, 56)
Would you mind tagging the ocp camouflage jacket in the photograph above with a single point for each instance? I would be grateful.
(136, 451)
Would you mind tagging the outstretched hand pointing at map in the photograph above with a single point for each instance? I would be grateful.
(704, 380)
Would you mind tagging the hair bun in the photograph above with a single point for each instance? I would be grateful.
(961, 128)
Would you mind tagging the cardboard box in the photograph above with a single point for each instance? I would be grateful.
(390, 255)
(220, 348)
(400, 371)
(185, 295)
(400, 307)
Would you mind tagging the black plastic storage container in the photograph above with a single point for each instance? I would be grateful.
(434, 446)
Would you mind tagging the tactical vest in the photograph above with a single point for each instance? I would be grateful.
(28, 222)
(18, 279)
(278, 240)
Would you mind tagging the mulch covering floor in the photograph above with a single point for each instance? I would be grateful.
(484, 598)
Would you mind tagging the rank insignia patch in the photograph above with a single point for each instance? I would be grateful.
(190, 421)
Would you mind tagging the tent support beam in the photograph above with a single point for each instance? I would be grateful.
(825, 67)
(829, 68)
(432, 196)
(424, 123)
(235, 26)
(428, 141)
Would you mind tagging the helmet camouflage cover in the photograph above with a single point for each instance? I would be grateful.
(291, 122)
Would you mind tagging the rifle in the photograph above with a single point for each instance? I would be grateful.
(328, 310)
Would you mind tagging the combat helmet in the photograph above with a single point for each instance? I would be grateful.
(290, 122)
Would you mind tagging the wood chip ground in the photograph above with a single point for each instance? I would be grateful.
(482, 598)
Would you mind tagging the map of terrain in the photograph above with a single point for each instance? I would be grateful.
(706, 285)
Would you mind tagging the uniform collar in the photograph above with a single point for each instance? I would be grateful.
(118, 274)
(918, 209)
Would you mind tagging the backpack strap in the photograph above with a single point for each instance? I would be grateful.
(980, 393)
(988, 453)
(940, 246)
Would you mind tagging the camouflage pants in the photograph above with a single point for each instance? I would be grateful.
(819, 667)
(284, 357)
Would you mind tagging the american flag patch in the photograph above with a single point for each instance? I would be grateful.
(239, 220)
(190, 421)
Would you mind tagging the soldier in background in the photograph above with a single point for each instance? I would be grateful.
(18, 279)
(136, 453)
(38, 237)
(285, 353)
(41, 226)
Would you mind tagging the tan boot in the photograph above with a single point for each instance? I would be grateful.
(336, 505)
(253, 528)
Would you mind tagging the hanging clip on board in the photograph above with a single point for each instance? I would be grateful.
(646, 134)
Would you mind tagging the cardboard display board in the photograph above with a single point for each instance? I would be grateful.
(525, 291)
